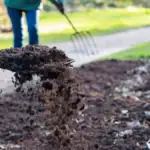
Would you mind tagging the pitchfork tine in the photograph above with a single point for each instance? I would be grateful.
(79, 36)
(91, 42)
(85, 41)
(81, 41)
(91, 39)
(76, 48)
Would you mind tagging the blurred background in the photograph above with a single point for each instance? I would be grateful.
(98, 16)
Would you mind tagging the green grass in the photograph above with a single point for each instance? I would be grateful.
(54, 27)
(137, 52)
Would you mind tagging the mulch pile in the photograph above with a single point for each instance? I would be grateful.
(99, 106)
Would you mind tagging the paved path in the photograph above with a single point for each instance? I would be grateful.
(106, 45)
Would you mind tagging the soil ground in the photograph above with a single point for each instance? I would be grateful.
(116, 114)
(114, 119)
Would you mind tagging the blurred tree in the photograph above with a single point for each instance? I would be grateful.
(144, 3)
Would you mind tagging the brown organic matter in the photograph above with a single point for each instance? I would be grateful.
(45, 114)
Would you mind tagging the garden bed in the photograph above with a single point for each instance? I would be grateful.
(115, 114)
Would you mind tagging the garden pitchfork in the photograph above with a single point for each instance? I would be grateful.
(83, 40)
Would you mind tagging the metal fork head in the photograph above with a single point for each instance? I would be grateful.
(84, 43)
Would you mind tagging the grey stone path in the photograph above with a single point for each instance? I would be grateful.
(106, 45)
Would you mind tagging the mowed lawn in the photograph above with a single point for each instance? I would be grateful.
(54, 27)
(141, 51)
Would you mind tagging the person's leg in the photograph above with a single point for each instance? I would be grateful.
(17, 26)
(32, 17)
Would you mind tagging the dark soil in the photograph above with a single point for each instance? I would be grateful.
(104, 122)
(43, 111)
(34, 60)
(56, 112)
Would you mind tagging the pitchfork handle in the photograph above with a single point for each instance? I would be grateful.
(73, 27)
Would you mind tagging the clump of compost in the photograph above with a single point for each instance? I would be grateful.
(34, 60)
(44, 108)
